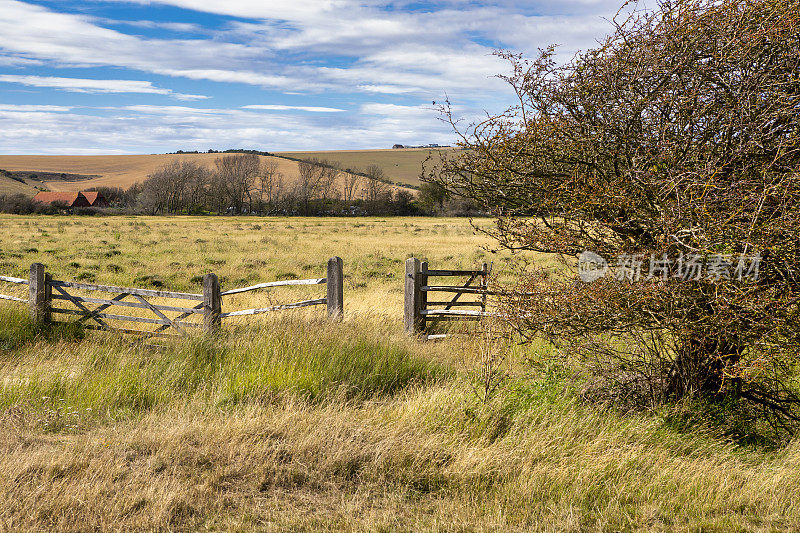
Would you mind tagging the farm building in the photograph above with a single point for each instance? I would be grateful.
(72, 199)
(95, 198)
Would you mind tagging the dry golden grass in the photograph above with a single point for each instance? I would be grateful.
(116, 170)
(10, 186)
(403, 165)
(175, 252)
(293, 423)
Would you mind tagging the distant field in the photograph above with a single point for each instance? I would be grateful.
(11, 186)
(114, 170)
(400, 165)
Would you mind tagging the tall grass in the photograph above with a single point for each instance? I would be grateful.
(313, 361)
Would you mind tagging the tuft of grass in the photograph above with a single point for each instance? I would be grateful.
(18, 330)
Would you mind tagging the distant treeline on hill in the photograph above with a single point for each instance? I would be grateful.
(40, 175)
(247, 185)
(321, 162)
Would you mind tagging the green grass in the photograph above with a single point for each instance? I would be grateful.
(105, 375)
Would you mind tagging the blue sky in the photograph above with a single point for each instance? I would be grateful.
(156, 76)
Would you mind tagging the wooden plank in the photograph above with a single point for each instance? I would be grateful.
(448, 288)
(130, 304)
(14, 280)
(455, 312)
(140, 292)
(196, 308)
(439, 272)
(212, 304)
(135, 332)
(411, 301)
(37, 295)
(456, 304)
(126, 318)
(295, 305)
(449, 318)
(335, 289)
(315, 281)
(457, 296)
(13, 298)
(159, 314)
(87, 314)
(423, 296)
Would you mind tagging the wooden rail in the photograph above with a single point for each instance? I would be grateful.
(295, 305)
(317, 281)
(19, 281)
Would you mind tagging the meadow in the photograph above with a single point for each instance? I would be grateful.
(293, 422)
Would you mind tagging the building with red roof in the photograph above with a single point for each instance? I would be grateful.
(72, 199)
(95, 198)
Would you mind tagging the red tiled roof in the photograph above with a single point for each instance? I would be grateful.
(91, 196)
(72, 199)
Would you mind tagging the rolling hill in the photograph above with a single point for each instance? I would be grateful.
(125, 170)
(402, 165)
(12, 186)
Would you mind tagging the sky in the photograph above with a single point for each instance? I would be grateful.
(138, 76)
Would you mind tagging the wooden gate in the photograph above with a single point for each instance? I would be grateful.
(93, 315)
(49, 297)
(420, 309)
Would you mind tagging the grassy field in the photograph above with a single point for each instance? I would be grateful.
(400, 165)
(291, 422)
(114, 170)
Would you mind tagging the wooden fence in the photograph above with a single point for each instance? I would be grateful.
(419, 309)
(43, 291)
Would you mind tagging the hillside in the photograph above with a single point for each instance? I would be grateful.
(113, 170)
(400, 165)
(12, 186)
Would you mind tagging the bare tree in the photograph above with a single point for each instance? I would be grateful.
(375, 186)
(176, 187)
(350, 184)
(269, 184)
(316, 180)
(235, 177)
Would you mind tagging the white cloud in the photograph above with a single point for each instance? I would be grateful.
(276, 107)
(33, 108)
(349, 47)
(393, 52)
(95, 86)
(154, 129)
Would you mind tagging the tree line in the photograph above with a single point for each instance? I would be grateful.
(244, 183)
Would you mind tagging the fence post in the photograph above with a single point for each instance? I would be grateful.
(212, 304)
(484, 284)
(335, 286)
(39, 294)
(422, 280)
(412, 316)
